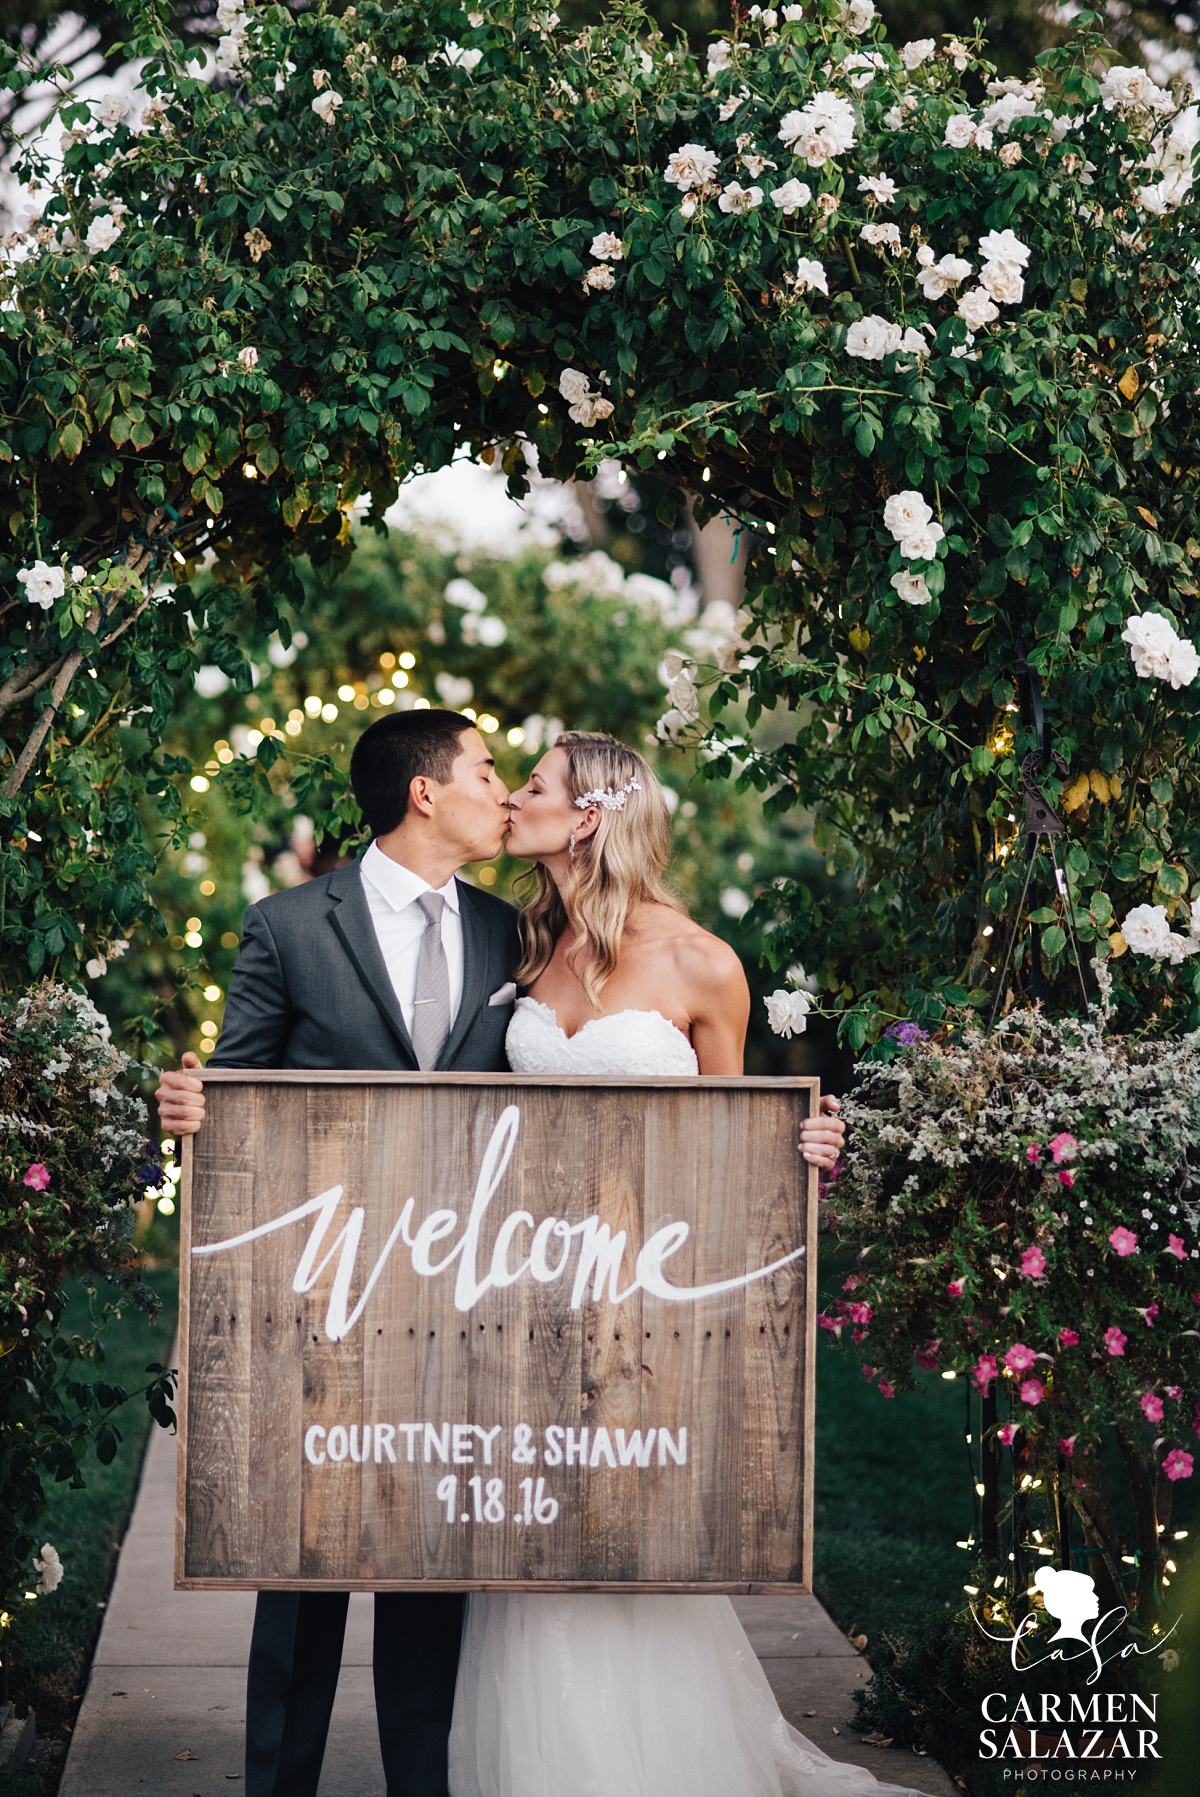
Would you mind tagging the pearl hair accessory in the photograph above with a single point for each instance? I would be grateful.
(611, 801)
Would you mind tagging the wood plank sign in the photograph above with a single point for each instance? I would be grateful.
(468, 1331)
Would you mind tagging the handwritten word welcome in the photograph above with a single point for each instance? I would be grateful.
(601, 1254)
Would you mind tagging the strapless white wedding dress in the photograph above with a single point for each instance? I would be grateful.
(616, 1696)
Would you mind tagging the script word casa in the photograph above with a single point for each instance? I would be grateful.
(468, 1444)
(600, 1262)
(1055, 1735)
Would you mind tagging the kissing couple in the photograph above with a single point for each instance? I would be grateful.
(394, 963)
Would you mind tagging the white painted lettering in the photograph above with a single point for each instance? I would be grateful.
(487, 1437)
(384, 1436)
(500, 1274)
(635, 1452)
(440, 1442)
(311, 1438)
(542, 1271)
(666, 1445)
(576, 1447)
(366, 1443)
(464, 1444)
(554, 1439)
(602, 1445)
(338, 1443)
(408, 1430)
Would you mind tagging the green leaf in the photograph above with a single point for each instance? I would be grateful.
(1054, 940)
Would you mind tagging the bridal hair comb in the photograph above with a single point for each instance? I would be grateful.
(611, 801)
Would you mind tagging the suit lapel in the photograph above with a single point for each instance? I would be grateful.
(475, 970)
(351, 918)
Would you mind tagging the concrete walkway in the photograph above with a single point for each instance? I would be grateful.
(164, 1709)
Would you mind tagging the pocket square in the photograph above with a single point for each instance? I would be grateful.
(505, 995)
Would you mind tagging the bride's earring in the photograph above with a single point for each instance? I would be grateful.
(571, 845)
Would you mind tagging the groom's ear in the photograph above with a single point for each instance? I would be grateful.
(422, 795)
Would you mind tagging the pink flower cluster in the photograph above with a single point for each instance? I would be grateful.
(927, 1356)
(1063, 1147)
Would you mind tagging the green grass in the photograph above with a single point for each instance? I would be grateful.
(52, 1646)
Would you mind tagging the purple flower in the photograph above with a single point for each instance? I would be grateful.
(906, 1033)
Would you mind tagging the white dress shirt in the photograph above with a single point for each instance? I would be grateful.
(392, 892)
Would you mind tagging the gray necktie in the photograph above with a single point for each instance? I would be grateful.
(431, 1014)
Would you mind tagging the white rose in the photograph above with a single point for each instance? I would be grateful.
(911, 587)
(868, 63)
(463, 59)
(102, 232)
(230, 49)
(857, 17)
(1133, 87)
(921, 546)
(787, 1012)
(673, 664)
(574, 386)
(325, 106)
(112, 110)
(739, 200)
(248, 359)
(683, 695)
(822, 129)
(1003, 282)
(791, 197)
(1184, 663)
(962, 352)
(913, 344)
(959, 55)
(50, 1569)
(793, 14)
(720, 55)
(1179, 947)
(925, 256)
(230, 14)
(881, 188)
(43, 584)
(1003, 246)
(670, 726)
(606, 247)
(78, 572)
(983, 137)
(977, 308)
(1010, 155)
(906, 513)
(1146, 930)
(600, 279)
(919, 51)
(940, 277)
(1152, 641)
(811, 273)
(960, 131)
(886, 236)
(687, 206)
(691, 166)
(872, 338)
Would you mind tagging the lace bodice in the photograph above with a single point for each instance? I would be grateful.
(624, 1044)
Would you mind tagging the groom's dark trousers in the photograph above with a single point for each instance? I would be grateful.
(310, 989)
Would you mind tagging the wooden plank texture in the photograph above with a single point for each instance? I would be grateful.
(486, 1351)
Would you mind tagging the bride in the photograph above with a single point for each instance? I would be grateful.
(611, 1695)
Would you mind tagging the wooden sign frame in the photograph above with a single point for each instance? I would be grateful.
(723, 1505)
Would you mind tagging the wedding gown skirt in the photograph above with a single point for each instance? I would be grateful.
(609, 1695)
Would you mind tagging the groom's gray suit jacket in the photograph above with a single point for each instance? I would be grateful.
(310, 988)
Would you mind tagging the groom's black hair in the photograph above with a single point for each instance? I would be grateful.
(390, 754)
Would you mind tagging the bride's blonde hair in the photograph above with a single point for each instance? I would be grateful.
(617, 868)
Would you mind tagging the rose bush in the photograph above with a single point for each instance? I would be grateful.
(1028, 1219)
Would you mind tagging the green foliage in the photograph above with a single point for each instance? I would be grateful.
(70, 1166)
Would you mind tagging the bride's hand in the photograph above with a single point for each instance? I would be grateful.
(823, 1137)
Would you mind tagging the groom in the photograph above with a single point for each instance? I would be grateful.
(390, 963)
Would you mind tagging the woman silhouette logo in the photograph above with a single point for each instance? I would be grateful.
(1071, 1599)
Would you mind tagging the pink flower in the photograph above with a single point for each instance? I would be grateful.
(1032, 1391)
(1005, 1433)
(1175, 1392)
(1114, 1341)
(1175, 1246)
(1068, 1338)
(1033, 1263)
(1020, 1359)
(37, 1176)
(885, 1390)
(1152, 1407)
(1067, 1446)
(1063, 1147)
(955, 1288)
(1066, 1177)
(861, 1313)
(1178, 1465)
(1033, 1153)
(851, 1284)
(928, 1355)
(828, 1322)
(858, 1335)
(1148, 1315)
(869, 1372)
(985, 1371)
(1123, 1240)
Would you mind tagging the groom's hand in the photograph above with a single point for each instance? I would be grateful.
(181, 1100)
(823, 1137)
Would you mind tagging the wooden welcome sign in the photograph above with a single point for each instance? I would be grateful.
(470, 1331)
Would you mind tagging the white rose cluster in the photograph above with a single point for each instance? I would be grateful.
(583, 406)
(49, 1569)
(857, 17)
(883, 237)
(791, 197)
(1131, 90)
(937, 278)
(917, 52)
(231, 46)
(1001, 279)
(1147, 930)
(787, 1012)
(862, 67)
(1158, 651)
(821, 130)
(911, 521)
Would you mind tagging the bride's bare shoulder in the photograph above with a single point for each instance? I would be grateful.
(699, 956)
